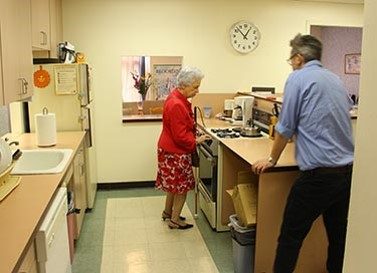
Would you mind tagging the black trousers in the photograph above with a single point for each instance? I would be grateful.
(322, 191)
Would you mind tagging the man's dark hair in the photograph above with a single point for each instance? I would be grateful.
(307, 46)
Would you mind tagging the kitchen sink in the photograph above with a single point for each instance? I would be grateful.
(42, 161)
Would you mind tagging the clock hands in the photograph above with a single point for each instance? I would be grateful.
(247, 32)
(244, 35)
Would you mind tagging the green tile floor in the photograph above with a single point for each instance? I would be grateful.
(89, 247)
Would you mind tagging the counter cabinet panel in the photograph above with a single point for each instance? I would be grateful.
(273, 189)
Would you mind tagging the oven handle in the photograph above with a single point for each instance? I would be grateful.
(204, 192)
(208, 156)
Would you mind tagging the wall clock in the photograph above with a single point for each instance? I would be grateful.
(244, 36)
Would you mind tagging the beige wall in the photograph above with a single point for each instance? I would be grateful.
(362, 229)
(196, 30)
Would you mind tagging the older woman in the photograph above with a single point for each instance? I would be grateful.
(175, 146)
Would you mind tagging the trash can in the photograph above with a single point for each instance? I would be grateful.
(243, 240)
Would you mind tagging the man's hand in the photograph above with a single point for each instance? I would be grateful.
(261, 165)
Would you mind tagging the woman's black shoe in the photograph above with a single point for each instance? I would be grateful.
(174, 225)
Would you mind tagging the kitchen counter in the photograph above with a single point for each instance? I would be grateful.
(252, 149)
(22, 211)
(238, 155)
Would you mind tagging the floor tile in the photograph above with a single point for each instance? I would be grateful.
(195, 249)
(174, 265)
(203, 264)
(131, 254)
(133, 268)
(167, 251)
(125, 233)
(130, 236)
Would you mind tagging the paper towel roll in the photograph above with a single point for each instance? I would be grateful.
(45, 129)
(5, 155)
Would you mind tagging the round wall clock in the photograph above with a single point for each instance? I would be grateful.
(244, 36)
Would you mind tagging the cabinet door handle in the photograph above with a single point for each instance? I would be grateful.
(82, 169)
(44, 38)
(24, 86)
(51, 240)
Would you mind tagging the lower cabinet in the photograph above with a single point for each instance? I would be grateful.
(77, 186)
(29, 263)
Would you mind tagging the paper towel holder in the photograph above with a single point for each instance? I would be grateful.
(45, 128)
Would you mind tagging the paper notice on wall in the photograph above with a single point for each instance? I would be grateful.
(66, 79)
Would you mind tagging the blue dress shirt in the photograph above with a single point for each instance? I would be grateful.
(316, 110)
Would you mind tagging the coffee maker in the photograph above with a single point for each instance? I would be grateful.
(243, 111)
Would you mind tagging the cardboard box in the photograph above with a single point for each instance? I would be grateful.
(245, 197)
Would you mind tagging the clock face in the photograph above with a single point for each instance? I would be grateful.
(244, 36)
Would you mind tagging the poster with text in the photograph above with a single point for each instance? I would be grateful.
(165, 78)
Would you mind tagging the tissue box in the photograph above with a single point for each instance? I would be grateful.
(245, 197)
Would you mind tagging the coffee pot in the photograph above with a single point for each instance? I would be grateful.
(228, 108)
(237, 112)
(243, 110)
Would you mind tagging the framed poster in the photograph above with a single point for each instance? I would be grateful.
(352, 63)
(165, 79)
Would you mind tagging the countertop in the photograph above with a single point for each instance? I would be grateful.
(253, 149)
(22, 211)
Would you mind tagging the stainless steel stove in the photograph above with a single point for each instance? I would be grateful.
(208, 168)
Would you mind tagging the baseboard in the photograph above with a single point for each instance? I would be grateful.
(125, 185)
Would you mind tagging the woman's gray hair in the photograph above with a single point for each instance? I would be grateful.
(307, 46)
(188, 75)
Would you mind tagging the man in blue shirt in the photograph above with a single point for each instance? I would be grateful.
(316, 112)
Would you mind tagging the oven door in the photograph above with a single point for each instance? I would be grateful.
(208, 172)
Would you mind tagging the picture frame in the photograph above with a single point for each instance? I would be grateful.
(165, 78)
(352, 63)
(146, 82)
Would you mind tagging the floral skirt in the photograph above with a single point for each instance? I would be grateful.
(174, 172)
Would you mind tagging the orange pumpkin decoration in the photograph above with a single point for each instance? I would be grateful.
(41, 78)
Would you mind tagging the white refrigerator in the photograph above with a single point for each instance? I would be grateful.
(64, 89)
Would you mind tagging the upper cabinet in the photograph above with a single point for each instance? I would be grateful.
(40, 24)
(46, 25)
(16, 63)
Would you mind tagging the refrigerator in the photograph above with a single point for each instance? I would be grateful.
(64, 89)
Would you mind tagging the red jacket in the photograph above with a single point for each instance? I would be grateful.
(178, 131)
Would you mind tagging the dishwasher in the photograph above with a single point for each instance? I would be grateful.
(52, 247)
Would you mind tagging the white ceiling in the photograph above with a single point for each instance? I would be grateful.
(336, 1)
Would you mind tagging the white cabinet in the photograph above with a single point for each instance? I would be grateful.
(56, 27)
(16, 63)
(46, 25)
(78, 187)
(40, 24)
